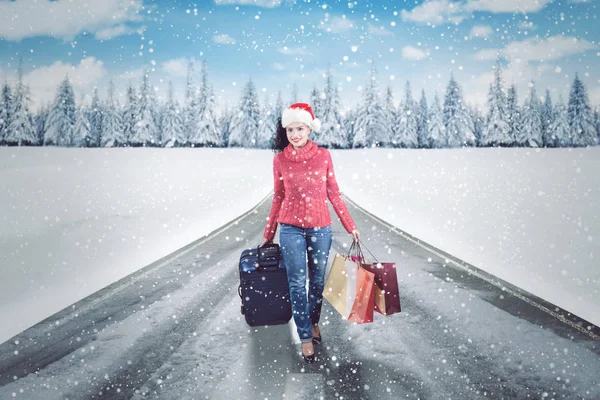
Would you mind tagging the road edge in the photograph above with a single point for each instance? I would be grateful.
(572, 320)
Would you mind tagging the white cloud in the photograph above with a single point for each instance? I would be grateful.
(413, 53)
(223, 39)
(487, 54)
(116, 31)
(537, 49)
(379, 31)
(66, 19)
(176, 67)
(133, 75)
(298, 51)
(506, 6)
(483, 31)
(337, 25)
(278, 66)
(438, 12)
(43, 81)
(435, 12)
(257, 3)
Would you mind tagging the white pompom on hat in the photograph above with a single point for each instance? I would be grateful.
(300, 112)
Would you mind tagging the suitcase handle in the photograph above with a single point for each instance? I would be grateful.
(268, 246)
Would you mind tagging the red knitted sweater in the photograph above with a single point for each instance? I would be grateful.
(303, 180)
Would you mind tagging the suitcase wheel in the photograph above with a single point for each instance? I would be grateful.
(242, 309)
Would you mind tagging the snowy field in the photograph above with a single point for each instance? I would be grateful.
(75, 220)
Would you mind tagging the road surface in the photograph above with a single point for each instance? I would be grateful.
(173, 330)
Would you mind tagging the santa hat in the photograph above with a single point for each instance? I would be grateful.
(300, 112)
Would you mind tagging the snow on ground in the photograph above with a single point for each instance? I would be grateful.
(530, 217)
(75, 220)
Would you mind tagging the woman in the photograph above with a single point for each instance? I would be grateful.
(303, 181)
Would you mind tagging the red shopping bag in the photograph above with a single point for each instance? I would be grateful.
(362, 308)
(387, 295)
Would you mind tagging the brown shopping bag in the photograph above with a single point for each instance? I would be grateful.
(387, 294)
(335, 286)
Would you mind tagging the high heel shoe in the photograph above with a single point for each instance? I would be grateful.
(309, 358)
(316, 339)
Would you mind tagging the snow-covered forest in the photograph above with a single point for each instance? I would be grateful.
(378, 121)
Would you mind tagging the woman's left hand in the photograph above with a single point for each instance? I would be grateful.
(355, 235)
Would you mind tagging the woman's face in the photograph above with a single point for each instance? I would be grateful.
(297, 134)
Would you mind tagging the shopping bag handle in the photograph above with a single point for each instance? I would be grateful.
(354, 250)
(358, 245)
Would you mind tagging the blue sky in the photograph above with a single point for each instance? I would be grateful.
(281, 43)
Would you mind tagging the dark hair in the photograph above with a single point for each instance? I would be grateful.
(280, 141)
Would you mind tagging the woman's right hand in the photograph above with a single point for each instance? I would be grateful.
(265, 242)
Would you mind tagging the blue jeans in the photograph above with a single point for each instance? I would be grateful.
(296, 243)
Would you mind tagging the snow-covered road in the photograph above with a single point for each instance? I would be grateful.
(173, 330)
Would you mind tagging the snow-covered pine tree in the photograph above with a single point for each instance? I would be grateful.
(391, 117)
(61, 121)
(266, 127)
(244, 126)
(315, 100)
(333, 132)
(436, 128)
(580, 116)
(225, 125)
(145, 132)
(278, 110)
(350, 123)
(513, 115)
(156, 112)
(40, 122)
(369, 128)
(456, 117)
(130, 112)
(82, 129)
(422, 121)
(315, 103)
(190, 108)
(531, 123)
(5, 108)
(597, 122)
(113, 129)
(407, 136)
(478, 125)
(172, 123)
(496, 130)
(547, 115)
(207, 132)
(21, 129)
(560, 132)
(96, 114)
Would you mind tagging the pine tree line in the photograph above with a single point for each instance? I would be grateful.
(375, 122)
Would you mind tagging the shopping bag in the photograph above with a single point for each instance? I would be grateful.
(387, 282)
(335, 286)
(350, 290)
(387, 297)
(364, 300)
(379, 299)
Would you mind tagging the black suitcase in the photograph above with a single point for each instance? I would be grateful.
(264, 289)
